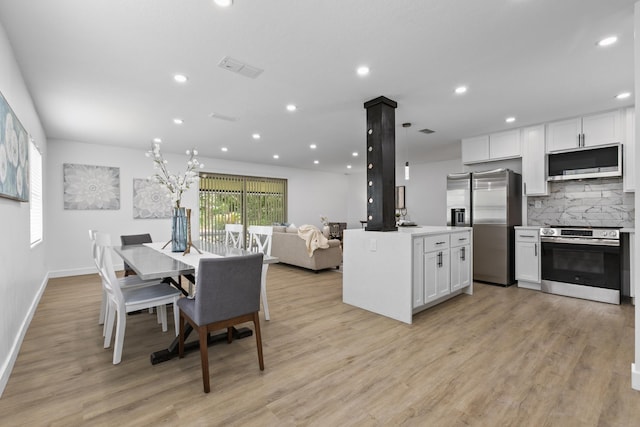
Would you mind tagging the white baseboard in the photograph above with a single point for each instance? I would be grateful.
(7, 366)
(80, 271)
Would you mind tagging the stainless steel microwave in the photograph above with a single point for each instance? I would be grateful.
(589, 162)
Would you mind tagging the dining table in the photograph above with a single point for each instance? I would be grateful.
(157, 261)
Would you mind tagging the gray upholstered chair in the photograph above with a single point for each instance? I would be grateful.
(133, 239)
(227, 294)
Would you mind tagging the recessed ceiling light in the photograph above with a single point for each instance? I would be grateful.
(157, 140)
(510, 119)
(224, 149)
(180, 78)
(348, 166)
(363, 70)
(354, 154)
(623, 95)
(313, 146)
(607, 41)
(255, 136)
(291, 107)
(223, 3)
(275, 156)
(178, 121)
(315, 162)
(460, 90)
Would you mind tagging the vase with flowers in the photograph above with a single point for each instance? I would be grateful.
(176, 184)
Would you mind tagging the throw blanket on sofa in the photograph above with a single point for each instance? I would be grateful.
(313, 237)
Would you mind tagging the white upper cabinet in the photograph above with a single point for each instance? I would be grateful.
(496, 146)
(564, 134)
(475, 149)
(504, 145)
(587, 131)
(534, 161)
(629, 150)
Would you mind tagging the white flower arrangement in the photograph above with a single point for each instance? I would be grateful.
(176, 184)
(324, 220)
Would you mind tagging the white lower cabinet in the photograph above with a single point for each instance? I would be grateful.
(431, 272)
(460, 260)
(418, 272)
(528, 258)
(436, 275)
(442, 265)
(460, 267)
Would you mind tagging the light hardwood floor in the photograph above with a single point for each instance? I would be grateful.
(504, 356)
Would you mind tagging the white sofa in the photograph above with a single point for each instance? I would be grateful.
(291, 249)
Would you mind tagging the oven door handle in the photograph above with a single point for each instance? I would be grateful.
(592, 242)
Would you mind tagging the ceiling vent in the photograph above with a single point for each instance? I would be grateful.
(222, 117)
(426, 131)
(239, 67)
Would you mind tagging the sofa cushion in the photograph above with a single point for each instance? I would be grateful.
(279, 228)
(291, 249)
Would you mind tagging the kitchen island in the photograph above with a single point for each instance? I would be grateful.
(399, 273)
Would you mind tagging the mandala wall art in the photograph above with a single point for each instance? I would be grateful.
(150, 200)
(89, 187)
(14, 155)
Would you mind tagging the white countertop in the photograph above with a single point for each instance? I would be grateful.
(419, 230)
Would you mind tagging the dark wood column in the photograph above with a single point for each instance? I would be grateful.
(381, 164)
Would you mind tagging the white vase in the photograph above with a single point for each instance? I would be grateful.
(325, 231)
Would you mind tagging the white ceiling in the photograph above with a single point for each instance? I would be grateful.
(100, 71)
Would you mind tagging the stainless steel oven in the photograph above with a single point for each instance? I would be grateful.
(581, 262)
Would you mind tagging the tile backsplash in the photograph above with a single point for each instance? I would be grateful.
(596, 202)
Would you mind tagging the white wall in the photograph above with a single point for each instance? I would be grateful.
(22, 269)
(426, 193)
(311, 194)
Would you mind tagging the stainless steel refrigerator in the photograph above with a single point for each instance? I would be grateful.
(496, 207)
(459, 200)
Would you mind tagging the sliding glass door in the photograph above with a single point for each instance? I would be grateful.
(235, 199)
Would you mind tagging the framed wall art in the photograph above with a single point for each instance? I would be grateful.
(88, 187)
(14, 155)
(151, 200)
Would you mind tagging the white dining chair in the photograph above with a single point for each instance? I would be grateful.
(128, 282)
(233, 235)
(260, 241)
(122, 301)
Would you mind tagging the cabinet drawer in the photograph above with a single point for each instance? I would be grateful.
(460, 239)
(527, 235)
(433, 243)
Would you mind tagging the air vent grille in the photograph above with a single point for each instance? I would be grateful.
(222, 117)
(426, 131)
(239, 67)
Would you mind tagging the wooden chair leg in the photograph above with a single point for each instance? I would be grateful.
(204, 357)
(256, 323)
(229, 335)
(181, 338)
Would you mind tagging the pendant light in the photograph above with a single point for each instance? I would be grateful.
(406, 126)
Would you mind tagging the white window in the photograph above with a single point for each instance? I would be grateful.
(35, 193)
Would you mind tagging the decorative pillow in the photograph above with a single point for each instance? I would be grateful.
(292, 228)
(279, 229)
